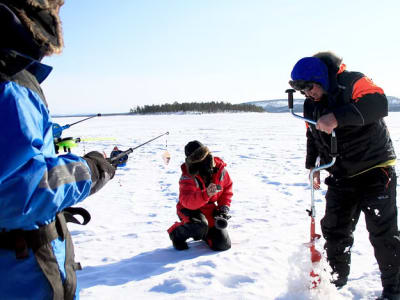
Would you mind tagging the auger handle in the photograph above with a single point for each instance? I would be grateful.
(290, 97)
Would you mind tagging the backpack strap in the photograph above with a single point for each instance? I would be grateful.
(70, 212)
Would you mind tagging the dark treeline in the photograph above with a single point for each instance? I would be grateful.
(206, 107)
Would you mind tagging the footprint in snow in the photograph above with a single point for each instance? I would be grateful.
(236, 280)
(169, 286)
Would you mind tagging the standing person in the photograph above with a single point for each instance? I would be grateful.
(36, 185)
(205, 192)
(363, 177)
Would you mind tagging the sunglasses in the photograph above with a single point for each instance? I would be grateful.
(301, 85)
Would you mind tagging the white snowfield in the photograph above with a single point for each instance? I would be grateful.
(126, 252)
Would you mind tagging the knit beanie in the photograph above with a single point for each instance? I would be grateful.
(311, 69)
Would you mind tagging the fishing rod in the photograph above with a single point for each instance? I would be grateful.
(57, 129)
(115, 159)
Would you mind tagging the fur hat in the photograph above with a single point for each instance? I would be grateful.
(196, 155)
(41, 18)
(311, 69)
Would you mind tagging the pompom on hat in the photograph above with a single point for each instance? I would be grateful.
(311, 69)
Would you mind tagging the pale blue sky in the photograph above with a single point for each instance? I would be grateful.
(123, 53)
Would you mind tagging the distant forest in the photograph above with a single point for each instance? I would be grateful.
(206, 107)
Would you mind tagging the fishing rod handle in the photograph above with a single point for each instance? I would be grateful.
(122, 154)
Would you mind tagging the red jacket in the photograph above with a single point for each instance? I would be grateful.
(193, 193)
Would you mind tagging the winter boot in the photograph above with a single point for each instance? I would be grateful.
(340, 282)
(178, 237)
(389, 294)
(180, 245)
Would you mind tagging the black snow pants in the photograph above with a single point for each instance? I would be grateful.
(373, 193)
(195, 225)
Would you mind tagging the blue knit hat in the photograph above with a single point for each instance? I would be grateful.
(311, 69)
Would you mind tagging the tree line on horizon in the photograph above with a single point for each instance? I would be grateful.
(204, 107)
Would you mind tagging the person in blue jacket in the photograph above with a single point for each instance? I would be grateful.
(37, 187)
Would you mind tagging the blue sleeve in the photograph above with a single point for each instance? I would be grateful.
(35, 183)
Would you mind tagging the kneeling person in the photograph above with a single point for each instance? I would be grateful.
(205, 192)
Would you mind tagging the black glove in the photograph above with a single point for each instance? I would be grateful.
(119, 162)
(221, 217)
(223, 212)
(102, 171)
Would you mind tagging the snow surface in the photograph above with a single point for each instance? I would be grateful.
(125, 250)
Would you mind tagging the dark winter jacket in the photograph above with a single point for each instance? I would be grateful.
(363, 140)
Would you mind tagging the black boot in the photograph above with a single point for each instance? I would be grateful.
(340, 282)
(180, 245)
(389, 294)
(178, 241)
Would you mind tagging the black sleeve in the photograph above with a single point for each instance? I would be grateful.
(101, 170)
(368, 109)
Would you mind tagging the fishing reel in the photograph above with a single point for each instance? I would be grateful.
(65, 144)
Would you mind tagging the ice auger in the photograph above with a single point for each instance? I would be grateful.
(315, 254)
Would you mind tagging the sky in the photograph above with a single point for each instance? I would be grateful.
(123, 53)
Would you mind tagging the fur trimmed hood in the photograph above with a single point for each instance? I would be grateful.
(331, 60)
(198, 155)
(41, 19)
(201, 156)
(333, 63)
(218, 163)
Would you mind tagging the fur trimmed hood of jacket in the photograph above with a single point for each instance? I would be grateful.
(333, 63)
(330, 59)
(41, 18)
(201, 155)
(216, 161)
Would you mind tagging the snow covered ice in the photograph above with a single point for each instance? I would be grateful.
(126, 252)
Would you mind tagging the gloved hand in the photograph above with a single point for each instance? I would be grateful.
(101, 170)
(119, 162)
(223, 212)
(221, 217)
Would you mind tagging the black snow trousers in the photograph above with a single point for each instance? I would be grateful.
(198, 228)
(373, 193)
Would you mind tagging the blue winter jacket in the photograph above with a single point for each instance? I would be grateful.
(35, 184)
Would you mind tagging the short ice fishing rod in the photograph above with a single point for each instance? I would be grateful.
(116, 158)
(57, 129)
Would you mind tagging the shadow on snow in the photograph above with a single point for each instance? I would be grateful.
(139, 267)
